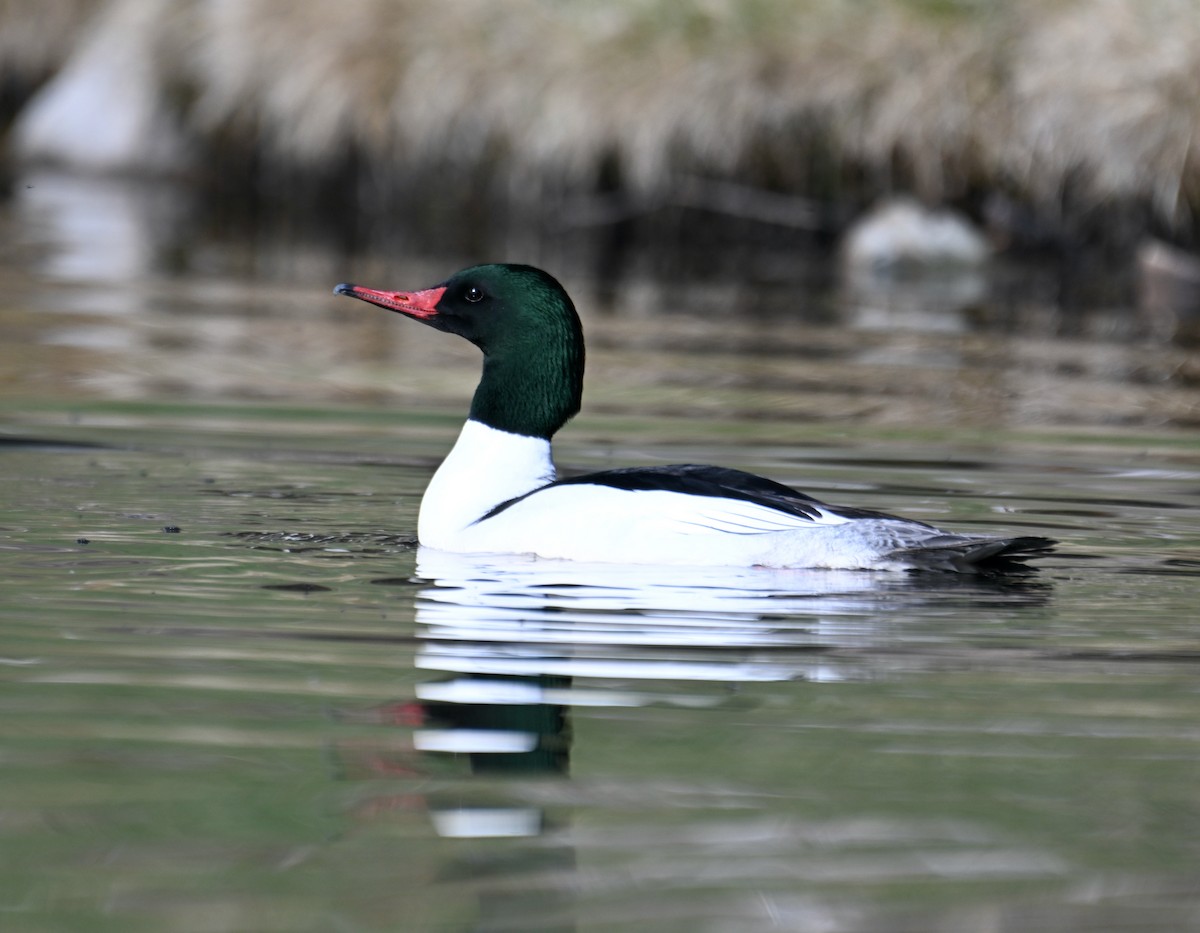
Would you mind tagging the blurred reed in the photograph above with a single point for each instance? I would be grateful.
(1073, 111)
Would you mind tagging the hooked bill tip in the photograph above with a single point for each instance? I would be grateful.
(345, 288)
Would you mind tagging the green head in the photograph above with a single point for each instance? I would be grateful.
(526, 326)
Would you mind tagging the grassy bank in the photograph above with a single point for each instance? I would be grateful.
(1053, 117)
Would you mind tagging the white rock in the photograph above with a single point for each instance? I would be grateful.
(902, 232)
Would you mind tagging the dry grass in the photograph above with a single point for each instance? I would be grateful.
(36, 38)
(1087, 103)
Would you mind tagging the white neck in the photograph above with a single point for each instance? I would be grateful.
(486, 467)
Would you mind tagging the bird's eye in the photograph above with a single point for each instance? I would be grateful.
(474, 294)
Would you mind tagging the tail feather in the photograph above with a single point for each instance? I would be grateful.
(991, 556)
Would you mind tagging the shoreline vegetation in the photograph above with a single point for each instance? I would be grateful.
(1049, 123)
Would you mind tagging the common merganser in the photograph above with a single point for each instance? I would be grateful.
(497, 491)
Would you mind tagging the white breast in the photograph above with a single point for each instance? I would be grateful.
(486, 467)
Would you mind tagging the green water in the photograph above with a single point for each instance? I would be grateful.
(221, 727)
(234, 696)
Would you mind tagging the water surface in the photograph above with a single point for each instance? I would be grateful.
(237, 696)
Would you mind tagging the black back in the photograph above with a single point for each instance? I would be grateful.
(715, 482)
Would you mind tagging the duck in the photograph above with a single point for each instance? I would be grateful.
(498, 490)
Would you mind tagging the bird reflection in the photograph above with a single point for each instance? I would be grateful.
(515, 646)
(519, 642)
